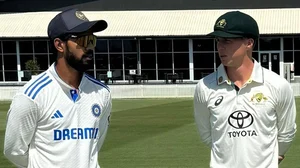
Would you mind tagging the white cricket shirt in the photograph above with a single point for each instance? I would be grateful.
(249, 127)
(52, 125)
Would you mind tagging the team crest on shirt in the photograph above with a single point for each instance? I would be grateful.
(96, 110)
(258, 98)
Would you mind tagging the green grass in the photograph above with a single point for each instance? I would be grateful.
(154, 133)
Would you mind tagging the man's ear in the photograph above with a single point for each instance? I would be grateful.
(250, 43)
(59, 45)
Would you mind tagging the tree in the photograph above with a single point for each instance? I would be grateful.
(32, 66)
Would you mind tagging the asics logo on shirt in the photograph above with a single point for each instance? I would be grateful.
(219, 100)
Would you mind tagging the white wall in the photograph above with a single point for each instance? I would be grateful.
(139, 91)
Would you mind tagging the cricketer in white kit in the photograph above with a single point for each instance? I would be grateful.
(50, 124)
(249, 127)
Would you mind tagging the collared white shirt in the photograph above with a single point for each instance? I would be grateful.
(50, 124)
(247, 127)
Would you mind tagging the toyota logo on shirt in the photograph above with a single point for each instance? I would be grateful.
(240, 119)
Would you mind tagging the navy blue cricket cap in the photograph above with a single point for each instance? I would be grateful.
(73, 22)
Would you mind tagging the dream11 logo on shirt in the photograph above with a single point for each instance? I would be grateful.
(241, 120)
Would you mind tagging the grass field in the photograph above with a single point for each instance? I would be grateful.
(154, 133)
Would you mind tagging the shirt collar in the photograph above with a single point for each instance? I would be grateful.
(257, 74)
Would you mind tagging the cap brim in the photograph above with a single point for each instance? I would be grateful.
(222, 34)
(93, 26)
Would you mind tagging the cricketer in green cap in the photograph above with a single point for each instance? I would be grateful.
(243, 103)
(235, 24)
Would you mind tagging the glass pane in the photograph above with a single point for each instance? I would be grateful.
(181, 45)
(40, 47)
(10, 68)
(288, 56)
(24, 59)
(297, 43)
(162, 74)
(203, 60)
(148, 62)
(90, 72)
(297, 61)
(218, 61)
(116, 66)
(9, 46)
(255, 56)
(42, 60)
(181, 60)
(1, 72)
(164, 45)
(288, 44)
(130, 45)
(147, 45)
(164, 61)
(26, 46)
(203, 44)
(0, 47)
(269, 44)
(1, 75)
(130, 61)
(198, 74)
(52, 58)
(11, 75)
(184, 73)
(10, 62)
(115, 45)
(52, 49)
(151, 74)
(255, 45)
(101, 62)
(101, 46)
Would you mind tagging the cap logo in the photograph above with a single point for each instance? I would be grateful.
(221, 23)
(80, 16)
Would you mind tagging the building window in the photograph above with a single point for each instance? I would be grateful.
(203, 64)
(130, 45)
(101, 46)
(10, 67)
(101, 61)
(203, 44)
(296, 43)
(41, 47)
(130, 61)
(288, 44)
(164, 63)
(42, 60)
(115, 46)
(288, 56)
(116, 65)
(147, 45)
(297, 61)
(268, 44)
(181, 45)
(9, 47)
(181, 64)
(26, 46)
(148, 65)
(164, 45)
(255, 56)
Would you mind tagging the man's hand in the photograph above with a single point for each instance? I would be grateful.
(280, 158)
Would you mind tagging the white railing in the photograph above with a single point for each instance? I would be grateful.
(138, 91)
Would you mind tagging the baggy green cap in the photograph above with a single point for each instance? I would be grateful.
(235, 24)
